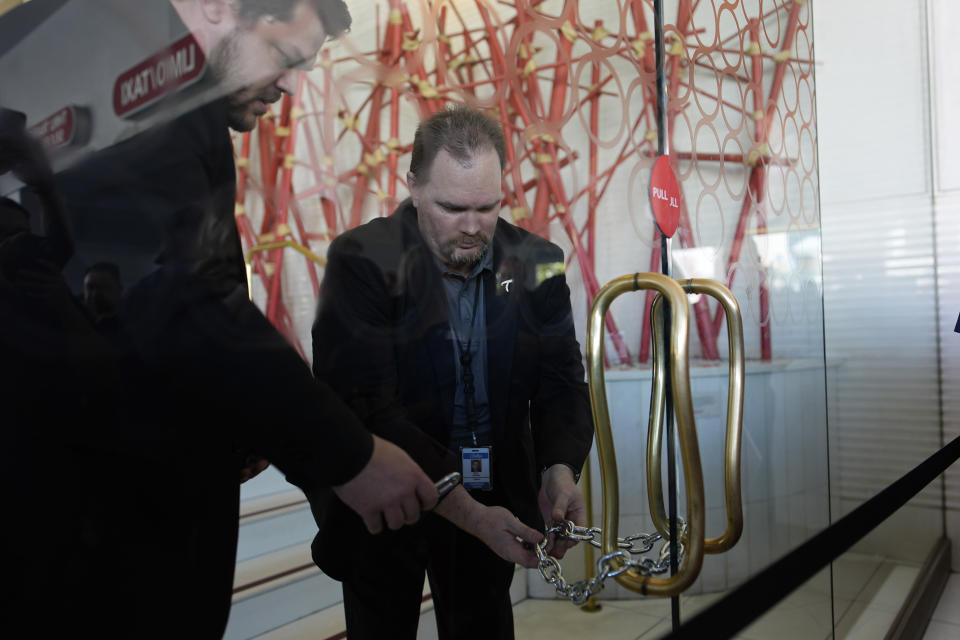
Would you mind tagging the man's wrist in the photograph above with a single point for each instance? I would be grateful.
(573, 470)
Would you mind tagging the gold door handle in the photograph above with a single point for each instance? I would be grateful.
(280, 244)
(686, 429)
(734, 427)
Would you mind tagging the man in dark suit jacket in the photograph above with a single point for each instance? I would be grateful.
(146, 530)
(449, 332)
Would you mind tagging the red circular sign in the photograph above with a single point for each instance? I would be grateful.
(665, 196)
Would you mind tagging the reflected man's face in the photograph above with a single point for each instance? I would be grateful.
(102, 294)
(257, 62)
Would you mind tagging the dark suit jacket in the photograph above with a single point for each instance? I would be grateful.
(204, 378)
(380, 340)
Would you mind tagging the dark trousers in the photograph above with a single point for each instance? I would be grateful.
(470, 585)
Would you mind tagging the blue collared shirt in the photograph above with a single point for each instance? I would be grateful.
(469, 326)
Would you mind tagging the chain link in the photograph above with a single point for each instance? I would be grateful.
(608, 566)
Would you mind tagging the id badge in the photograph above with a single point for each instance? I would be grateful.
(475, 465)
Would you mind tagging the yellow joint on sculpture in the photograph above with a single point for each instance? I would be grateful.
(753, 49)
(519, 213)
(639, 47)
(568, 31)
(283, 229)
(781, 56)
(651, 135)
(396, 17)
(529, 68)
(427, 90)
(762, 150)
(364, 169)
(676, 49)
(522, 51)
(326, 63)
(382, 195)
(462, 60)
(599, 33)
(544, 158)
(265, 238)
(757, 115)
(330, 181)
(548, 138)
(326, 161)
(549, 270)
(239, 209)
(296, 112)
(268, 115)
(646, 35)
(560, 208)
(269, 268)
(410, 45)
(442, 37)
(282, 132)
(370, 159)
(393, 144)
(289, 161)
(349, 121)
(243, 162)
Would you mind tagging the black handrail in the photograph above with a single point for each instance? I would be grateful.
(753, 598)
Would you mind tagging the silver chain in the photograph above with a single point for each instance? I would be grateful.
(608, 566)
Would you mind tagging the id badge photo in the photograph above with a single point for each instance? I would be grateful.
(475, 467)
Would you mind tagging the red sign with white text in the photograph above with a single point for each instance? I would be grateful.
(665, 196)
(55, 131)
(179, 65)
(68, 126)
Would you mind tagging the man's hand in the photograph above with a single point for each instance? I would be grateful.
(390, 488)
(25, 156)
(252, 467)
(496, 527)
(499, 529)
(560, 500)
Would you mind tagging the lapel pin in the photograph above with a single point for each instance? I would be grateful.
(506, 284)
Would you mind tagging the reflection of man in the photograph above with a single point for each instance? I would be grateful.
(450, 332)
(208, 381)
(255, 47)
(102, 291)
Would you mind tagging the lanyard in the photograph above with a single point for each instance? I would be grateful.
(466, 366)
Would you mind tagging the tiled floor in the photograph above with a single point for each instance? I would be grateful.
(868, 593)
(945, 622)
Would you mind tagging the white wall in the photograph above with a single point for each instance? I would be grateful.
(945, 29)
(884, 113)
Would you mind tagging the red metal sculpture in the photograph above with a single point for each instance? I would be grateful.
(489, 59)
